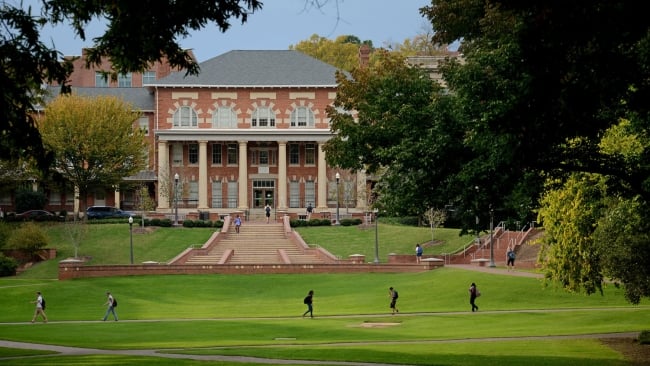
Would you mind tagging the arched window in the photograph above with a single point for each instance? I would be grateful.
(224, 117)
(263, 117)
(185, 116)
(302, 117)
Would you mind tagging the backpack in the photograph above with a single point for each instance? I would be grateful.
(395, 295)
(43, 303)
(268, 210)
(511, 254)
(306, 300)
(114, 302)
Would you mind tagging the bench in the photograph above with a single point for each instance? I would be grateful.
(480, 261)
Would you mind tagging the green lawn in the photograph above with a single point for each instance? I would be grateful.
(259, 315)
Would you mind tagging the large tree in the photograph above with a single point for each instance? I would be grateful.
(343, 52)
(93, 140)
(137, 34)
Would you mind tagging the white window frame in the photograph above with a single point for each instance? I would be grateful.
(177, 155)
(224, 117)
(101, 80)
(263, 117)
(148, 77)
(185, 117)
(125, 80)
(302, 117)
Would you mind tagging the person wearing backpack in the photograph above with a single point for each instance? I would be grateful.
(40, 307)
(393, 295)
(473, 294)
(418, 253)
(510, 255)
(309, 300)
(267, 210)
(112, 304)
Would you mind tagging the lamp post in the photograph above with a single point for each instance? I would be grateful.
(338, 177)
(131, 233)
(176, 199)
(492, 264)
(376, 211)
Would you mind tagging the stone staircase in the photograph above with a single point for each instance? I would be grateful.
(257, 243)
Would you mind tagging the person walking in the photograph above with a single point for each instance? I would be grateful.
(473, 294)
(393, 295)
(510, 258)
(110, 301)
(309, 301)
(237, 223)
(40, 307)
(418, 253)
(310, 209)
(267, 210)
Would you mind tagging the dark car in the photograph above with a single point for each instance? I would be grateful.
(36, 215)
(105, 212)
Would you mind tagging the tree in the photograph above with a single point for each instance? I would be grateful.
(434, 217)
(93, 140)
(342, 53)
(539, 84)
(153, 28)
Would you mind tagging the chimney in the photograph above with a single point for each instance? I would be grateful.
(364, 55)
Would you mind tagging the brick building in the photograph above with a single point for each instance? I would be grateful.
(246, 132)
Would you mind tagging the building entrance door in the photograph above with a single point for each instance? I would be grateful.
(263, 193)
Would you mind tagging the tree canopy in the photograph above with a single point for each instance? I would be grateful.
(93, 140)
(138, 33)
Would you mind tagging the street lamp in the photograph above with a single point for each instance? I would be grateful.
(338, 177)
(176, 199)
(131, 232)
(492, 264)
(376, 211)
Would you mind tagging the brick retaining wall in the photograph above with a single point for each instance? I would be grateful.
(68, 270)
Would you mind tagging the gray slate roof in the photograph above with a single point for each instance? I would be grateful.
(269, 68)
(141, 98)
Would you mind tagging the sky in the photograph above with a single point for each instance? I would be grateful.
(282, 23)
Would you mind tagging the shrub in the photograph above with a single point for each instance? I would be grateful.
(5, 233)
(165, 223)
(7, 266)
(28, 237)
(154, 222)
(188, 223)
(218, 224)
(350, 222)
(644, 337)
(28, 199)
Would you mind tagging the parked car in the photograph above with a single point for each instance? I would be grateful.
(104, 212)
(36, 215)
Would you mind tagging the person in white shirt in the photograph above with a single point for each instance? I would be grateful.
(40, 307)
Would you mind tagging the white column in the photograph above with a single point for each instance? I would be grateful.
(164, 183)
(203, 174)
(362, 190)
(243, 176)
(282, 175)
(117, 197)
(321, 200)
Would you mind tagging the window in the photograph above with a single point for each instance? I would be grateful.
(69, 198)
(148, 77)
(302, 117)
(101, 80)
(216, 154)
(193, 153)
(177, 154)
(310, 191)
(224, 117)
(124, 80)
(294, 194)
(310, 154)
(232, 154)
(143, 122)
(217, 195)
(194, 193)
(55, 198)
(294, 154)
(264, 157)
(185, 116)
(232, 194)
(263, 117)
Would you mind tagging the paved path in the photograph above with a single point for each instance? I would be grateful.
(77, 351)
(500, 271)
